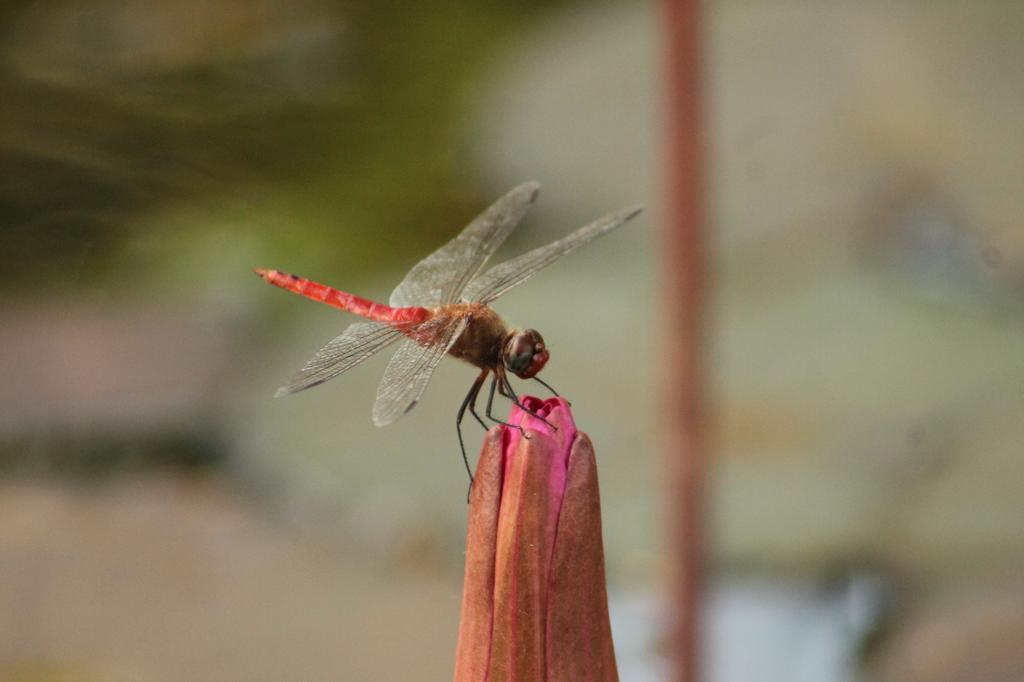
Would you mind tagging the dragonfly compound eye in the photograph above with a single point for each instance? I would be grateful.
(525, 353)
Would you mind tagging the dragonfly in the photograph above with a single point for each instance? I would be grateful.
(442, 307)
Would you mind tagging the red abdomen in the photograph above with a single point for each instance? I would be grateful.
(344, 300)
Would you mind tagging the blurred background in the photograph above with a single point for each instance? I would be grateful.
(163, 518)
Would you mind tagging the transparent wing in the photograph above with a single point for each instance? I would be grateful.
(439, 278)
(358, 342)
(409, 371)
(504, 276)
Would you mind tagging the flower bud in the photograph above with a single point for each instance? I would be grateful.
(534, 604)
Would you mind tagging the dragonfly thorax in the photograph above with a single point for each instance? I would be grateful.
(524, 353)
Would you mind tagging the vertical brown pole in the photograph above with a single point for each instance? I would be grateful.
(684, 277)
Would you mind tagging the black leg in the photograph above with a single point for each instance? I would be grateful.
(490, 405)
(470, 398)
(472, 402)
(545, 385)
(514, 398)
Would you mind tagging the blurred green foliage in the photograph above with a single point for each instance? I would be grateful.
(331, 132)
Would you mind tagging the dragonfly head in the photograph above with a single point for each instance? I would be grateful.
(525, 353)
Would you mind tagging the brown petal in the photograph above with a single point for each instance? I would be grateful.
(474, 648)
(579, 632)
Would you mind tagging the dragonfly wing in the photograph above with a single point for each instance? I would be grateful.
(358, 342)
(439, 278)
(504, 276)
(409, 371)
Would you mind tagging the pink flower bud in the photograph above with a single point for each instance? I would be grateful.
(534, 601)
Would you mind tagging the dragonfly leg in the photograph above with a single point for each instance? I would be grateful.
(546, 385)
(472, 401)
(466, 402)
(511, 395)
(490, 405)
